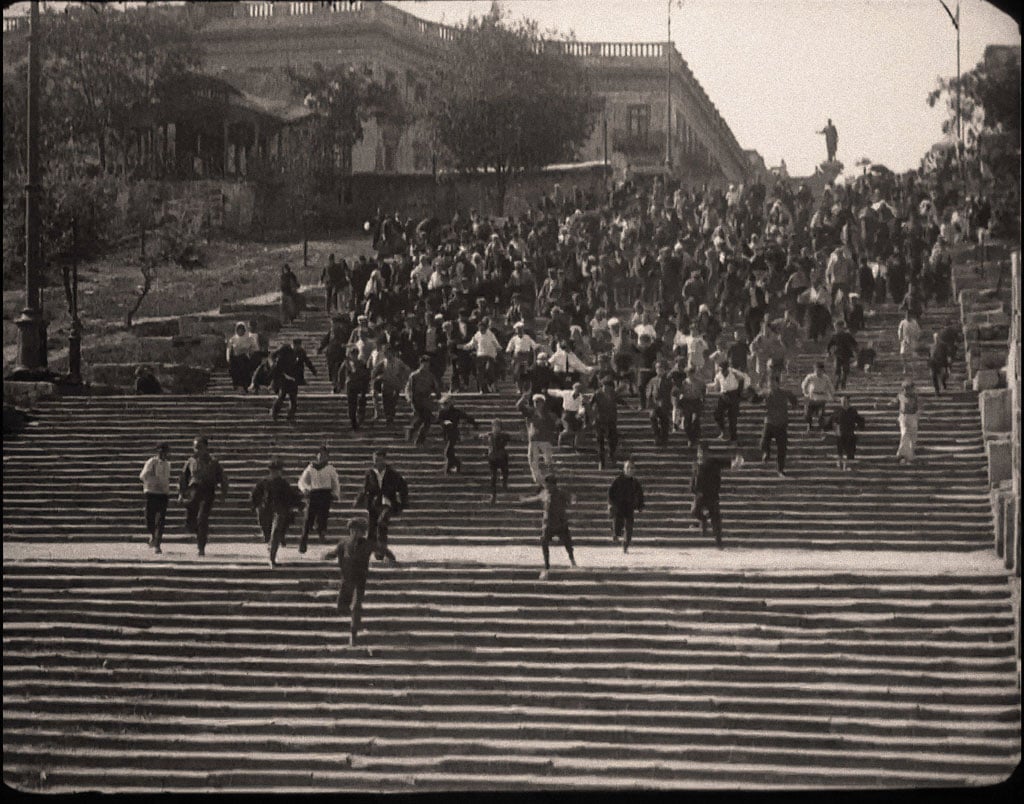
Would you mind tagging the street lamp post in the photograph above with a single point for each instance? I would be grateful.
(75, 336)
(31, 324)
(955, 19)
(668, 93)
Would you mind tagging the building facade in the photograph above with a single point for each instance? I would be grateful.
(397, 48)
(645, 116)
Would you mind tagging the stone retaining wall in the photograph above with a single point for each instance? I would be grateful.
(990, 312)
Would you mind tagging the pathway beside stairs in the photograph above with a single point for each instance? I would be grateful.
(856, 631)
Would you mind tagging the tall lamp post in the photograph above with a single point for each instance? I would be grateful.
(31, 324)
(955, 19)
(668, 92)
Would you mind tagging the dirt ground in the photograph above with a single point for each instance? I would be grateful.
(233, 271)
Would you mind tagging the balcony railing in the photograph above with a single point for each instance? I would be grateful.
(636, 143)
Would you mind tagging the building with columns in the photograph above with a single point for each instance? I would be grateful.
(644, 118)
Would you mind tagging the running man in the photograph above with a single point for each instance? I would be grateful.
(556, 520)
(156, 484)
(706, 486)
(353, 556)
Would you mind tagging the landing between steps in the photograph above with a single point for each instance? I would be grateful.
(606, 557)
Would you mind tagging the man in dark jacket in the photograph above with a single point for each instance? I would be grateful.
(940, 359)
(625, 497)
(284, 372)
(844, 346)
(354, 376)
(274, 499)
(392, 374)
(777, 401)
(333, 346)
(450, 417)
(659, 400)
(197, 486)
(421, 389)
(385, 494)
(706, 485)
(302, 362)
(604, 413)
(849, 421)
(353, 556)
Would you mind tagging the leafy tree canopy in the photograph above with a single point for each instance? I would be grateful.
(989, 97)
(101, 65)
(509, 100)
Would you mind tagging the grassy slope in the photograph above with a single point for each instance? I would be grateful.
(107, 286)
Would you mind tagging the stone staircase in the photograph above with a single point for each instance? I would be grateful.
(792, 662)
(188, 677)
(86, 454)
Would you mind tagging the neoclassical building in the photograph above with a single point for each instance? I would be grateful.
(246, 45)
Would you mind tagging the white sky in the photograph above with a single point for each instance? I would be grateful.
(777, 69)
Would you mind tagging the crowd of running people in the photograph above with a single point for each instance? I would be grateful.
(652, 296)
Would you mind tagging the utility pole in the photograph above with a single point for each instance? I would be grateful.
(668, 94)
(75, 336)
(955, 19)
(31, 325)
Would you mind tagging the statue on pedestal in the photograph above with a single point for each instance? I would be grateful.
(831, 140)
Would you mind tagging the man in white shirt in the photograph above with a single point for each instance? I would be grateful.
(437, 279)
(523, 349)
(908, 333)
(420, 275)
(841, 270)
(319, 483)
(696, 349)
(486, 348)
(818, 391)
(156, 484)
(573, 413)
(729, 383)
(565, 363)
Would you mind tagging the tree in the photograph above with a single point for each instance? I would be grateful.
(990, 111)
(342, 100)
(99, 66)
(508, 100)
(102, 65)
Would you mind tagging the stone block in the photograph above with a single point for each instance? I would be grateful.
(224, 325)
(995, 406)
(986, 317)
(992, 333)
(974, 297)
(1011, 533)
(981, 356)
(198, 350)
(175, 378)
(26, 395)
(1000, 460)
(968, 280)
(157, 327)
(999, 531)
(243, 309)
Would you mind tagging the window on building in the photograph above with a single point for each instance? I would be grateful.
(421, 93)
(368, 69)
(390, 79)
(638, 120)
(390, 154)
